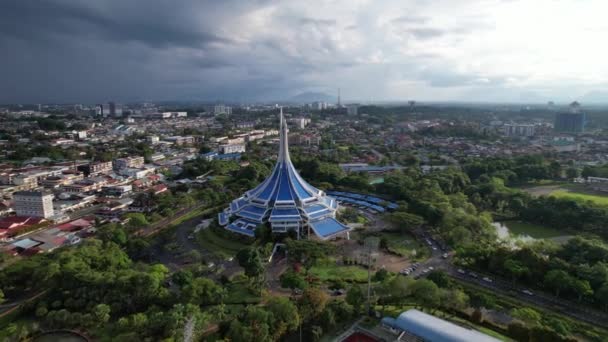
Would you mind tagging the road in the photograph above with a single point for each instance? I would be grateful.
(543, 300)
(507, 288)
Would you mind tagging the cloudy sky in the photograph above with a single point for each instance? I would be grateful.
(242, 50)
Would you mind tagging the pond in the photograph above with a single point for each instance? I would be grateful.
(526, 232)
(60, 336)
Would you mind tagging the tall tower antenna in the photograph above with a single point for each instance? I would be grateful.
(339, 102)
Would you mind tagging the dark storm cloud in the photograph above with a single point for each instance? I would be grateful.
(154, 23)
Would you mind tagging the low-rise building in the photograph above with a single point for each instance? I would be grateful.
(232, 148)
(95, 168)
(128, 162)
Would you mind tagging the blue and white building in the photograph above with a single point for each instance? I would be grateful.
(286, 202)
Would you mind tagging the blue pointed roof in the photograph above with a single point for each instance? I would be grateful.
(284, 199)
(285, 184)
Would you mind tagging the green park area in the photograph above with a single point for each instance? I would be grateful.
(404, 245)
(533, 230)
(329, 270)
(218, 245)
(582, 197)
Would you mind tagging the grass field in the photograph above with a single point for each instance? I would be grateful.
(217, 244)
(405, 245)
(329, 271)
(533, 230)
(577, 196)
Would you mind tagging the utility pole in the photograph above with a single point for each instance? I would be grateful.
(370, 245)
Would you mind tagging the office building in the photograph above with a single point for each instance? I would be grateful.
(219, 109)
(572, 121)
(516, 130)
(352, 109)
(34, 204)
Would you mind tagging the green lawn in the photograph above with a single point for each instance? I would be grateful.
(238, 293)
(329, 271)
(577, 196)
(533, 230)
(405, 245)
(217, 244)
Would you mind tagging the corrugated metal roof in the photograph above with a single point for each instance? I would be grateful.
(435, 329)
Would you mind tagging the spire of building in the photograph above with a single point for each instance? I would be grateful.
(283, 139)
(284, 200)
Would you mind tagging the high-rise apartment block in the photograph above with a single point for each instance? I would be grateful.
(33, 203)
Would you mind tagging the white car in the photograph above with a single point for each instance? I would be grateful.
(461, 271)
(486, 279)
(528, 292)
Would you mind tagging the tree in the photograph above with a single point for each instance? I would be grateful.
(529, 316)
(557, 280)
(380, 275)
(293, 280)
(137, 220)
(355, 297)
(440, 278)
(426, 293)
(454, 299)
(601, 296)
(101, 313)
(405, 221)
(573, 172)
(285, 313)
(250, 260)
(581, 288)
(307, 251)
(312, 302)
(515, 268)
(203, 291)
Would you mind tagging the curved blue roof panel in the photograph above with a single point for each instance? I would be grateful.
(327, 227)
(285, 212)
(254, 209)
(284, 192)
(314, 208)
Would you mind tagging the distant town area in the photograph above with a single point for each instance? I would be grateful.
(331, 221)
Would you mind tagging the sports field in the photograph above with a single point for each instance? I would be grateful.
(536, 231)
(577, 196)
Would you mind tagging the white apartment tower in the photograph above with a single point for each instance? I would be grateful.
(34, 203)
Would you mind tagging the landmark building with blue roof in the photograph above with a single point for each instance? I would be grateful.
(285, 201)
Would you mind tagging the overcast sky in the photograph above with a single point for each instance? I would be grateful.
(241, 50)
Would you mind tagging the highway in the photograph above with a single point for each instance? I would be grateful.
(507, 288)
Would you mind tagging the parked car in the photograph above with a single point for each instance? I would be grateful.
(486, 279)
(461, 271)
(528, 292)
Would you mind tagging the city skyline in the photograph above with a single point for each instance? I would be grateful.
(469, 51)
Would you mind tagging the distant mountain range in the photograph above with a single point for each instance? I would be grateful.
(308, 97)
(594, 97)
